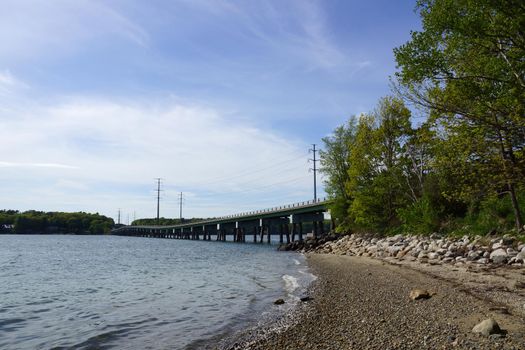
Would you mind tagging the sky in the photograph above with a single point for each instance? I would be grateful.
(221, 99)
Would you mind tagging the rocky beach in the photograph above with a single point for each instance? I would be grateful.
(406, 292)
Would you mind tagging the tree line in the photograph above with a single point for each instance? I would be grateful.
(39, 222)
(460, 170)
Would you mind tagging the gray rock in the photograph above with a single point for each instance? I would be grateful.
(482, 261)
(442, 251)
(471, 256)
(279, 302)
(450, 254)
(487, 327)
(497, 245)
(423, 254)
(520, 257)
(499, 256)
(511, 252)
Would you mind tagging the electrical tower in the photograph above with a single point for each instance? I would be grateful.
(158, 199)
(314, 160)
(180, 206)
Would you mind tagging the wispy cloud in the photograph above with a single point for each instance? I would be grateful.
(36, 165)
(298, 28)
(30, 29)
(9, 83)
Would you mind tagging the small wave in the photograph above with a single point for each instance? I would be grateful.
(290, 283)
(297, 262)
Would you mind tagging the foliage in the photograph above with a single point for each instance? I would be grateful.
(335, 163)
(464, 168)
(38, 222)
(467, 66)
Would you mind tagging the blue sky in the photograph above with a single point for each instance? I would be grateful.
(221, 99)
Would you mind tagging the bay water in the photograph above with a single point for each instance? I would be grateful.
(110, 292)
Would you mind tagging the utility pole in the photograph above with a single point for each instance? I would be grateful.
(158, 199)
(118, 220)
(180, 206)
(314, 160)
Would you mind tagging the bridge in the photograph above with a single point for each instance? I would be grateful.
(291, 221)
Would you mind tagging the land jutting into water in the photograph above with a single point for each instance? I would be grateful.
(370, 296)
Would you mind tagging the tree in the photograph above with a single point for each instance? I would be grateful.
(467, 66)
(376, 181)
(335, 163)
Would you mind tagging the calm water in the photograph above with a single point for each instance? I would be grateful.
(104, 292)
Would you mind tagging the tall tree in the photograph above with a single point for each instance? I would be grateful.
(335, 163)
(468, 66)
(376, 183)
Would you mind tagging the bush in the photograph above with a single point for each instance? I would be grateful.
(419, 218)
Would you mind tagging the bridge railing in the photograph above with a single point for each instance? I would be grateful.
(274, 209)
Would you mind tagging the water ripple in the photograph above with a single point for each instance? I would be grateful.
(99, 292)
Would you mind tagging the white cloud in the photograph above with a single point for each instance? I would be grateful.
(9, 84)
(72, 153)
(36, 165)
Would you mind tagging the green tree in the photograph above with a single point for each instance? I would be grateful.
(376, 181)
(335, 163)
(467, 66)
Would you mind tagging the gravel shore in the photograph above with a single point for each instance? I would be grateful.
(362, 303)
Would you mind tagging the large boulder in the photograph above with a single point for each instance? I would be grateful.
(499, 256)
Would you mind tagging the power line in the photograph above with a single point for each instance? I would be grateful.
(242, 174)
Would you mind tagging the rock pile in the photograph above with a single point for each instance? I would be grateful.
(432, 249)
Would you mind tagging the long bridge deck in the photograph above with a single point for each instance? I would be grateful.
(289, 221)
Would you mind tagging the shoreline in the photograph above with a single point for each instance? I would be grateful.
(363, 303)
